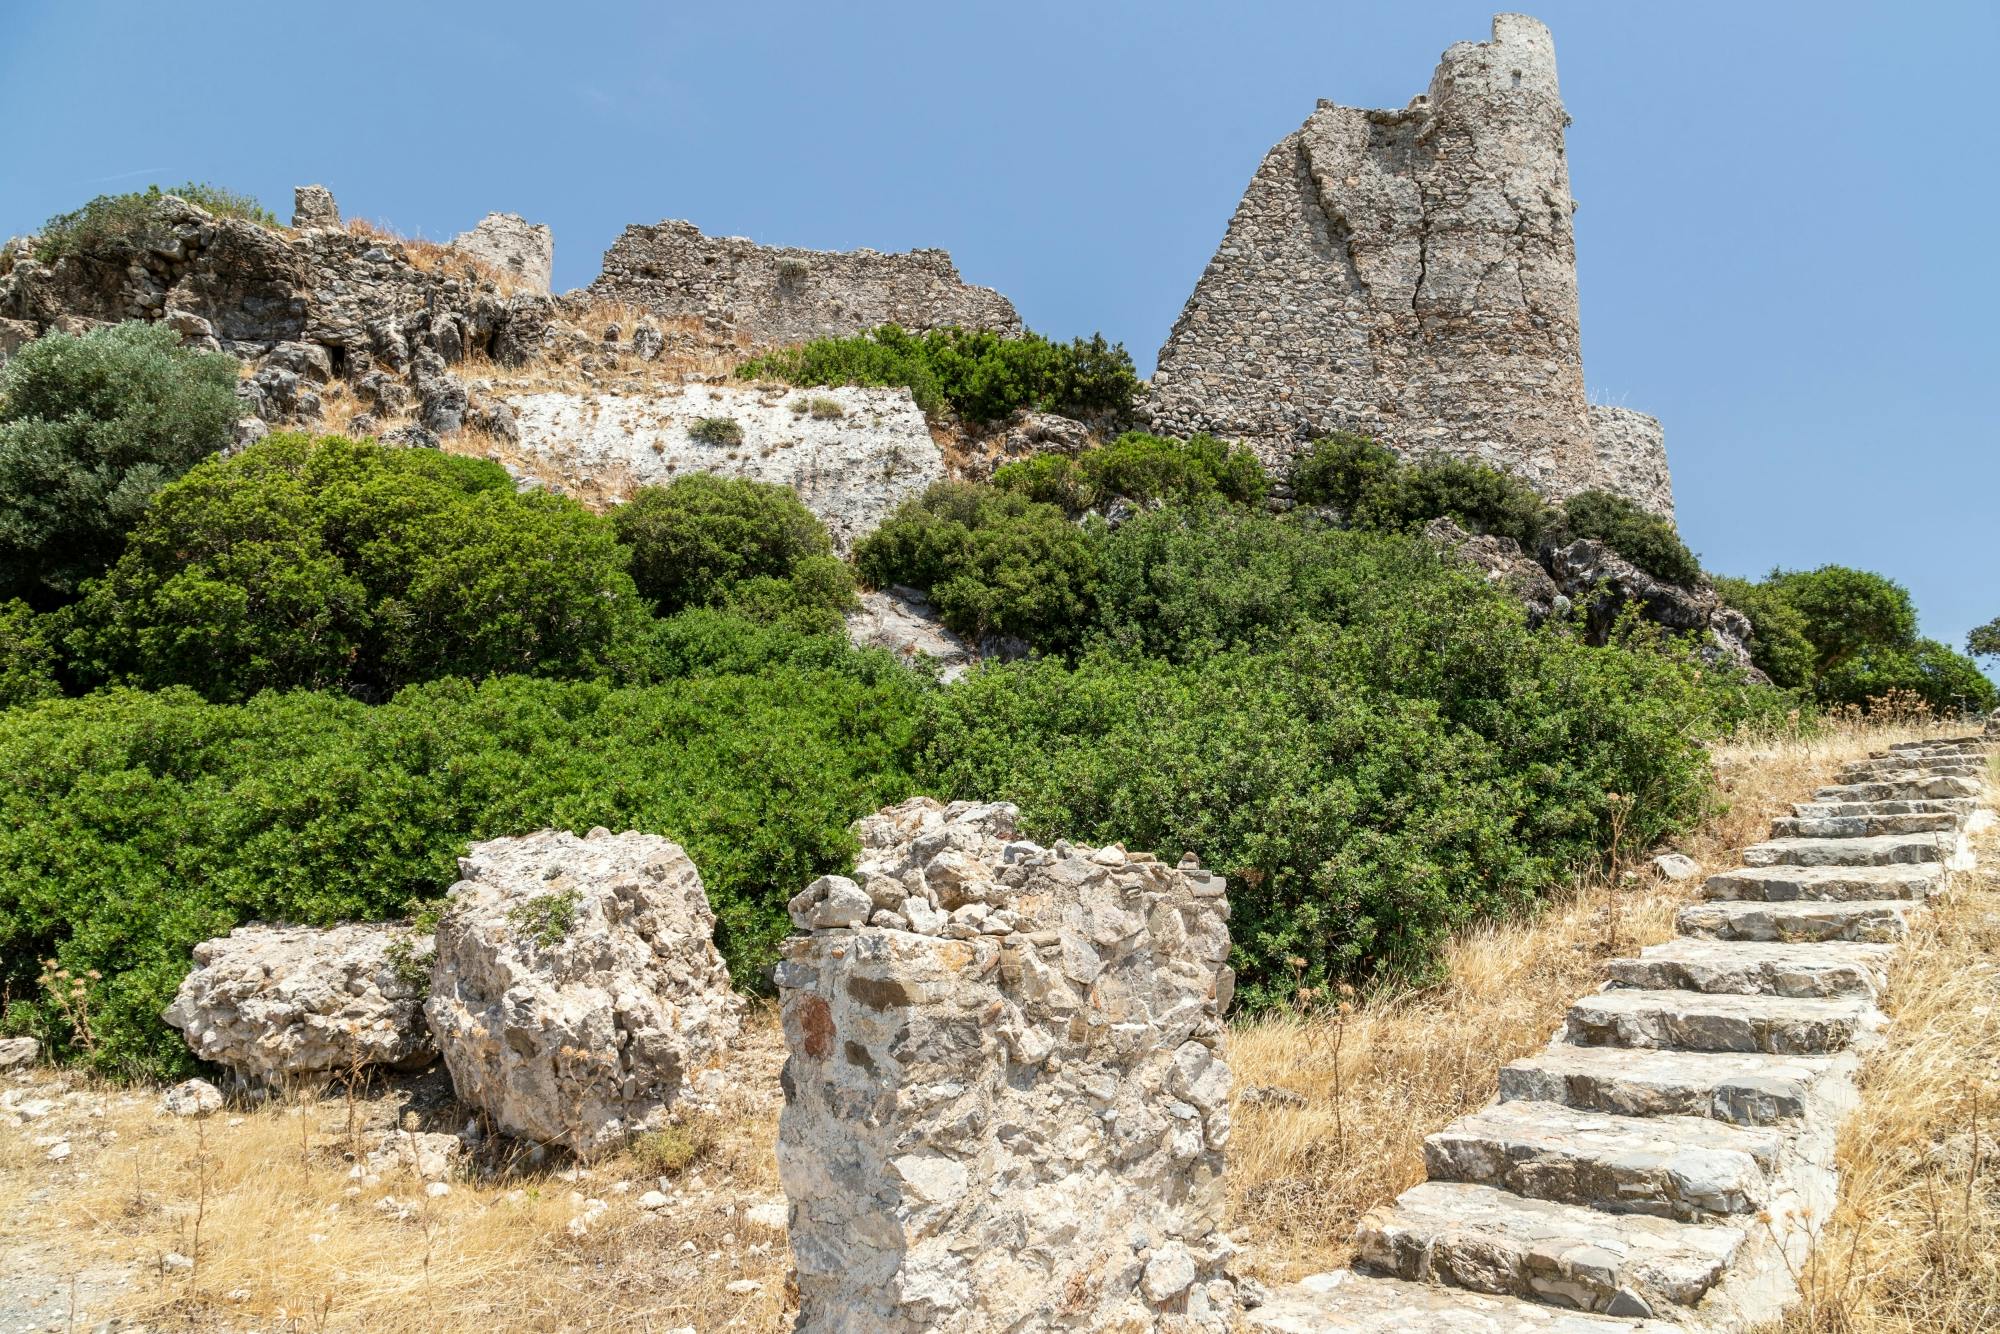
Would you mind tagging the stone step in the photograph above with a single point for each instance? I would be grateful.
(1741, 1088)
(1957, 806)
(1824, 884)
(1507, 1245)
(1904, 789)
(1971, 745)
(1688, 1168)
(1870, 770)
(1754, 968)
(1703, 1021)
(1862, 826)
(1874, 921)
(1346, 1302)
(1882, 850)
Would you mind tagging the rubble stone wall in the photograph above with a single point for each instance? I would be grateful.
(776, 295)
(1006, 1101)
(1409, 275)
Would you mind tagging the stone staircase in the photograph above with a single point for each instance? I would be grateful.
(1664, 1163)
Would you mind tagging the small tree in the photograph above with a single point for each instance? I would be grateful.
(1984, 642)
(695, 539)
(91, 427)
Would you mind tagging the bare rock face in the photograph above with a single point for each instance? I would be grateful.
(577, 988)
(270, 1002)
(1601, 581)
(1505, 563)
(1632, 457)
(18, 1053)
(510, 243)
(775, 295)
(1006, 1103)
(851, 454)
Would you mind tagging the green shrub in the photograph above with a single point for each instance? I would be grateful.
(1947, 681)
(91, 427)
(132, 220)
(1779, 646)
(1984, 641)
(1366, 789)
(1647, 540)
(27, 659)
(700, 541)
(135, 825)
(820, 409)
(716, 430)
(993, 563)
(332, 564)
(977, 375)
(1372, 488)
(1149, 469)
(1340, 469)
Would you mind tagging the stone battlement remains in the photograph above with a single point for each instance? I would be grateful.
(774, 295)
(1005, 1104)
(1411, 275)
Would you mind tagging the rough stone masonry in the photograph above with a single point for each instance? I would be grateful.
(1411, 275)
(1005, 1104)
(774, 295)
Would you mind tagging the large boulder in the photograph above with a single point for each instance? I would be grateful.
(577, 988)
(1604, 583)
(270, 1002)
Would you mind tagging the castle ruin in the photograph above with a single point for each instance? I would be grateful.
(1411, 275)
(774, 295)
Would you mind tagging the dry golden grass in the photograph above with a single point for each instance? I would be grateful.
(1399, 1065)
(437, 258)
(283, 1236)
(1914, 1244)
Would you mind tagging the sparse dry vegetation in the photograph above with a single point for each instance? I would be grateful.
(436, 257)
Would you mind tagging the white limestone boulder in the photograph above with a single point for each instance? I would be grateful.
(577, 988)
(275, 1001)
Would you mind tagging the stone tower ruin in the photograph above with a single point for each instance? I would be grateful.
(1411, 275)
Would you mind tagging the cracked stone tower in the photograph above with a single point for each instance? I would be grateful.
(1412, 275)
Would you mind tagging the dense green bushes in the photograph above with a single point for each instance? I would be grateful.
(1148, 469)
(130, 219)
(707, 541)
(977, 375)
(343, 565)
(1372, 488)
(134, 825)
(992, 561)
(1367, 787)
(1850, 636)
(1647, 540)
(91, 427)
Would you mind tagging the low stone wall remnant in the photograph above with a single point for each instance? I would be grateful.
(1006, 1100)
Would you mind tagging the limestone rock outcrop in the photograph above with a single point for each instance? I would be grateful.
(1604, 583)
(851, 463)
(1006, 1099)
(774, 295)
(1506, 563)
(271, 1002)
(510, 244)
(1411, 275)
(577, 988)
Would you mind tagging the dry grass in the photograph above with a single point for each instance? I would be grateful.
(284, 1237)
(1392, 1068)
(437, 258)
(1914, 1244)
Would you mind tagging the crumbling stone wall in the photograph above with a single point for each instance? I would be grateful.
(511, 244)
(1631, 454)
(1006, 1103)
(775, 295)
(1410, 275)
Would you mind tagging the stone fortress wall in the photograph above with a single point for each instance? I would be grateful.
(1411, 275)
(775, 295)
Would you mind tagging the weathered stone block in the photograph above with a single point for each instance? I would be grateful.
(577, 988)
(1014, 1114)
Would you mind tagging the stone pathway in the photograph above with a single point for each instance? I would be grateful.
(1664, 1164)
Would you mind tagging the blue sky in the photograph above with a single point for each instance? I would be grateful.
(1785, 245)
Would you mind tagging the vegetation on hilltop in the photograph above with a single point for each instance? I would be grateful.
(131, 219)
(973, 374)
(91, 426)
